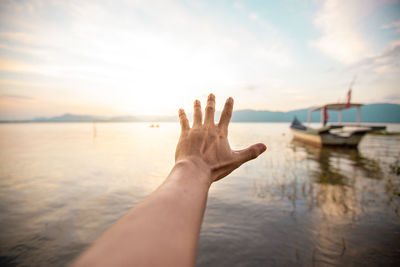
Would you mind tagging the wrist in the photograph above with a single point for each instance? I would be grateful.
(193, 169)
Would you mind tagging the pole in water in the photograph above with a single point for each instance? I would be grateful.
(94, 130)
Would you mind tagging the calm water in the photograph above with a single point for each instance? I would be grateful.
(61, 186)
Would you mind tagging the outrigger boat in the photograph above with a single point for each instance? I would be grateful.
(333, 134)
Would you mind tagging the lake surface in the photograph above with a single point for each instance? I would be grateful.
(63, 184)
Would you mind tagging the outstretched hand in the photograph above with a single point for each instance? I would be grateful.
(206, 144)
(163, 229)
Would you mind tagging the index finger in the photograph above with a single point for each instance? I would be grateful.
(226, 114)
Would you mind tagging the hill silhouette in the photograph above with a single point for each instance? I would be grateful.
(369, 113)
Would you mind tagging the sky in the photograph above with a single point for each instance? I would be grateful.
(137, 57)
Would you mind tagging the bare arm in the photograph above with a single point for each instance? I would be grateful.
(163, 230)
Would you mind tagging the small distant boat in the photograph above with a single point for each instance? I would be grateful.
(338, 134)
(154, 125)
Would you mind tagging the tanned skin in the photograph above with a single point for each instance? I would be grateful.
(163, 229)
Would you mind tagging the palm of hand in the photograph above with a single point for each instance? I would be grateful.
(206, 144)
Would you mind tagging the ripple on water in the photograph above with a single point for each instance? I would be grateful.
(296, 205)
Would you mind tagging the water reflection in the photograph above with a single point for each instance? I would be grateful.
(305, 206)
(342, 182)
(337, 166)
(328, 182)
(61, 185)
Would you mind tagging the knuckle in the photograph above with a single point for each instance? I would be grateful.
(212, 136)
(223, 133)
(210, 128)
(209, 109)
(227, 115)
(195, 132)
(237, 163)
(253, 153)
(211, 132)
(184, 123)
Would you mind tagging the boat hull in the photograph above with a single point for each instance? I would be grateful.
(327, 139)
(312, 139)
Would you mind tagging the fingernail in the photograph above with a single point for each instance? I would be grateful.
(197, 102)
(229, 100)
(181, 111)
(262, 147)
(211, 97)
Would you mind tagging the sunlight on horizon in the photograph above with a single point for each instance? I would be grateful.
(152, 57)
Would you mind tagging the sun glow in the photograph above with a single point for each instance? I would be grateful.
(153, 57)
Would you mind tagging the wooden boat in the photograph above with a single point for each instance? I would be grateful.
(333, 134)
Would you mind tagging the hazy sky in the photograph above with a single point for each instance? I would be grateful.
(152, 57)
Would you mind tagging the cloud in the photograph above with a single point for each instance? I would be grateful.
(238, 6)
(394, 25)
(340, 23)
(15, 97)
(135, 34)
(137, 56)
(138, 37)
(113, 52)
(16, 36)
(250, 87)
(391, 98)
(15, 66)
(385, 62)
(254, 16)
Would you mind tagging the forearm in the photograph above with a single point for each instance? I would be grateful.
(162, 230)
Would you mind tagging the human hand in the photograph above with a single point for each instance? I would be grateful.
(206, 145)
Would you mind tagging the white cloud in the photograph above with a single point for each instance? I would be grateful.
(340, 22)
(238, 6)
(346, 38)
(119, 51)
(385, 62)
(254, 16)
(394, 25)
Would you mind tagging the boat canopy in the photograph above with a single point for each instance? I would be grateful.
(337, 106)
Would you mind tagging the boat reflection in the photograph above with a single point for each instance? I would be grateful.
(338, 166)
(329, 182)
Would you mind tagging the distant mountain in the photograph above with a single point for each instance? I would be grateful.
(70, 118)
(369, 113)
(88, 118)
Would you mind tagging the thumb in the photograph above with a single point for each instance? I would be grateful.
(251, 152)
